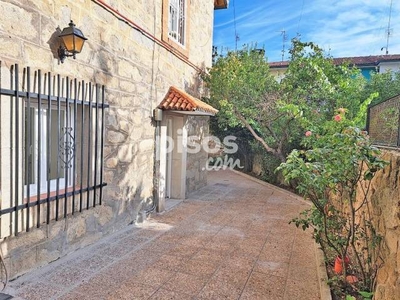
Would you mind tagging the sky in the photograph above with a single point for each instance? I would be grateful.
(343, 28)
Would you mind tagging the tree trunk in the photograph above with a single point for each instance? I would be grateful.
(276, 152)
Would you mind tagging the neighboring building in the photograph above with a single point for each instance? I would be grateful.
(82, 158)
(367, 64)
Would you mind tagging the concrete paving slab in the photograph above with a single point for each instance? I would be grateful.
(229, 240)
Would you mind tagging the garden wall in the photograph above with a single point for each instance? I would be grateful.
(196, 173)
(384, 198)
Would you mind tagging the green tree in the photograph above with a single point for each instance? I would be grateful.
(247, 95)
(386, 85)
(316, 86)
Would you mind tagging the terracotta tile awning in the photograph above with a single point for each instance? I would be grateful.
(179, 101)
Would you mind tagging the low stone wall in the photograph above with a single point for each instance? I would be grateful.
(41, 245)
(382, 209)
(385, 204)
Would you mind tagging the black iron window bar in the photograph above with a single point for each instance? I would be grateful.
(78, 140)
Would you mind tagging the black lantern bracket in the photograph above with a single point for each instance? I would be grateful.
(72, 42)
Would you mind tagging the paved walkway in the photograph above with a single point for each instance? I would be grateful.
(230, 240)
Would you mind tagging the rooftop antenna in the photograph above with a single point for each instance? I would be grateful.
(234, 24)
(237, 38)
(284, 39)
(389, 30)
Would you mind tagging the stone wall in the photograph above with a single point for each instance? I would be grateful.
(382, 208)
(385, 204)
(196, 174)
(137, 73)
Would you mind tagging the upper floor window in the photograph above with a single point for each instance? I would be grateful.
(177, 20)
(176, 25)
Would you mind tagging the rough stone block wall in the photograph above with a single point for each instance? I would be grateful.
(385, 205)
(196, 172)
(382, 208)
(137, 73)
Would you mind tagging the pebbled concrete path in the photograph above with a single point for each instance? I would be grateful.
(229, 240)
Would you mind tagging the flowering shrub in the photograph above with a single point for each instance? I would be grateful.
(338, 158)
(337, 118)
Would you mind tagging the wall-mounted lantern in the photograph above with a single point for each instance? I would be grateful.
(73, 40)
(221, 4)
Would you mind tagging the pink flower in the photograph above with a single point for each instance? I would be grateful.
(337, 118)
(308, 133)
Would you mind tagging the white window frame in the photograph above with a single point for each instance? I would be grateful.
(177, 21)
(33, 187)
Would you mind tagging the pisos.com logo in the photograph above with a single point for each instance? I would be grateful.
(218, 151)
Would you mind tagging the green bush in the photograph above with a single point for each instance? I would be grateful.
(338, 157)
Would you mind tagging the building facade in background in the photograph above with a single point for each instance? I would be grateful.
(366, 64)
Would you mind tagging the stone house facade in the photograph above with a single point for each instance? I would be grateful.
(138, 56)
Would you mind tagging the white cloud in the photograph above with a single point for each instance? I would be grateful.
(346, 27)
(355, 28)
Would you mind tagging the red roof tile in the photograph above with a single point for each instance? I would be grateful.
(178, 100)
(372, 60)
(279, 64)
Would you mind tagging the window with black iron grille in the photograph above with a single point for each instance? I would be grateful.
(52, 138)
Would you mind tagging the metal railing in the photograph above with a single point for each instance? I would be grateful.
(52, 135)
(383, 123)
